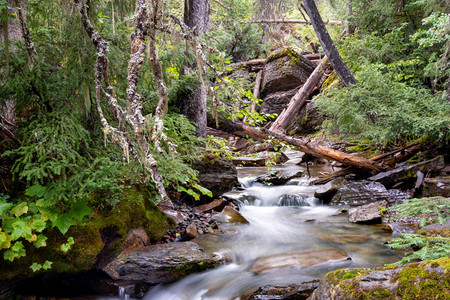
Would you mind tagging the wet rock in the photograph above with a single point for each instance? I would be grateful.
(161, 263)
(294, 291)
(278, 178)
(285, 69)
(327, 191)
(398, 230)
(177, 216)
(307, 121)
(300, 259)
(387, 283)
(229, 215)
(293, 200)
(191, 231)
(216, 174)
(217, 205)
(249, 161)
(408, 173)
(136, 238)
(277, 101)
(369, 213)
(364, 192)
(437, 186)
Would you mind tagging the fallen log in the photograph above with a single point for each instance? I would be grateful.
(293, 21)
(299, 99)
(387, 159)
(328, 153)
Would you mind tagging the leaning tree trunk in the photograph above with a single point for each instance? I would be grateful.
(327, 44)
(193, 106)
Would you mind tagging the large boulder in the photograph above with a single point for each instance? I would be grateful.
(365, 192)
(216, 174)
(437, 186)
(277, 101)
(278, 178)
(427, 280)
(285, 69)
(161, 263)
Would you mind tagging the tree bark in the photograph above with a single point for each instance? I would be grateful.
(193, 106)
(26, 34)
(299, 99)
(327, 43)
(6, 39)
(255, 93)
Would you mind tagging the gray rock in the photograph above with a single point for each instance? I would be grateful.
(217, 175)
(327, 191)
(161, 263)
(364, 192)
(369, 213)
(293, 291)
(398, 230)
(278, 178)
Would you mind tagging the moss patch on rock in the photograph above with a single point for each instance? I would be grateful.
(426, 280)
(134, 210)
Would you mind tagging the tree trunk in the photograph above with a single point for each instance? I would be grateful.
(6, 39)
(299, 99)
(327, 43)
(292, 21)
(193, 106)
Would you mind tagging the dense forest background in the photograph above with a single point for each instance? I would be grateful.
(71, 159)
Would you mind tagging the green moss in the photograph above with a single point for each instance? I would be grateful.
(294, 57)
(134, 210)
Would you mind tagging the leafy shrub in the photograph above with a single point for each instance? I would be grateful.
(383, 110)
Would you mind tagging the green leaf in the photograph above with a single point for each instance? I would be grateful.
(20, 229)
(41, 241)
(5, 240)
(4, 206)
(203, 190)
(80, 210)
(38, 224)
(35, 267)
(19, 209)
(65, 247)
(35, 190)
(47, 265)
(423, 222)
(16, 251)
(63, 222)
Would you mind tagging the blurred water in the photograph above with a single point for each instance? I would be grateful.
(274, 229)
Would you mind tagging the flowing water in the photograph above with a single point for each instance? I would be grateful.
(281, 219)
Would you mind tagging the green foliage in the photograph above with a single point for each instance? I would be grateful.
(433, 209)
(382, 110)
(231, 34)
(428, 247)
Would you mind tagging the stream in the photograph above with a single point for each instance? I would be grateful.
(277, 224)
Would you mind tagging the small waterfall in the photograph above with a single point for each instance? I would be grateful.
(125, 291)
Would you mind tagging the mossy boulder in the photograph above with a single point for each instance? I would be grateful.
(96, 241)
(285, 69)
(426, 280)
